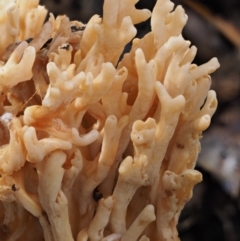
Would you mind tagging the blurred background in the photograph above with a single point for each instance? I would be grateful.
(214, 27)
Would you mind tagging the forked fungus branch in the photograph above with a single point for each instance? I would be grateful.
(94, 147)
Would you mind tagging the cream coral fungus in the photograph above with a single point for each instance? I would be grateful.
(94, 146)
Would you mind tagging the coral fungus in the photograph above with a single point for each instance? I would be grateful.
(94, 147)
